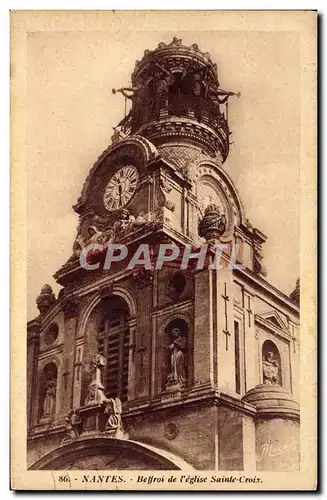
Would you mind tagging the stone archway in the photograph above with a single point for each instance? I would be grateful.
(101, 453)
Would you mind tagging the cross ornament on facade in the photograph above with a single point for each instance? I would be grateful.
(226, 331)
(249, 310)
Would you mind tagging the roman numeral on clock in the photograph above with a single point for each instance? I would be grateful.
(120, 188)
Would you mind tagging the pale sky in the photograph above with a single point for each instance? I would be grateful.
(71, 112)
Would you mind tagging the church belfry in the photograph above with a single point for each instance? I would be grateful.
(166, 334)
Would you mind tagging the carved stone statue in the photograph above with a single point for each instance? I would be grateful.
(177, 359)
(137, 94)
(94, 236)
(270, 369)
(124, 223)
(49, 403)
(113, 409)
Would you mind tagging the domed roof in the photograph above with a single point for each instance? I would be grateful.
(273, 401)
(176, 51)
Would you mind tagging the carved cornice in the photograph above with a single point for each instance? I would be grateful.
(188, 129)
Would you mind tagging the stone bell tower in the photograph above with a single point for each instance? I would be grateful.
(175, 366)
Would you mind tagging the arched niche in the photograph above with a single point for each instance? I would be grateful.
(271, 364)
(47, 392)
(176, 354)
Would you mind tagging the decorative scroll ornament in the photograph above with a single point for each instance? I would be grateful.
(46, 299)
(213, 224)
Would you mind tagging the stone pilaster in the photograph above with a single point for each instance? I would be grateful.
(143, 339)
(71, 310)
(203, 327)
(251, 351)
(225, 331)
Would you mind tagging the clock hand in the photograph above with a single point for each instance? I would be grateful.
(120, 191)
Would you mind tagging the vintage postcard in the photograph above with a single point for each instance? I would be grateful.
(164, 307)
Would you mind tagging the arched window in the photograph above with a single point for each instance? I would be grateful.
(113, 344)
(271, 364)
(176, 354)
(47, 392)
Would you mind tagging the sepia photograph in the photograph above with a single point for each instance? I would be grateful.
(162, 182)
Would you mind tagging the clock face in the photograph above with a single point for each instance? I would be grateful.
(120, 188)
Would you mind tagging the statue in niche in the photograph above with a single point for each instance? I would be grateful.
(49, 402)
(164, 79)
(270, 369)
(177, 349)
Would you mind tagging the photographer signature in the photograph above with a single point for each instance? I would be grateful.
(268, 450)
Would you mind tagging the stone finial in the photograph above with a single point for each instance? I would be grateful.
(46, 299)
(176, 41)
(295, 295)
(95, 391)
(213, 224)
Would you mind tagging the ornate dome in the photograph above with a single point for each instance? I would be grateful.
(175, 96)
(177, 56)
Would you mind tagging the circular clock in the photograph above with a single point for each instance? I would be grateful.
(120, 188)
